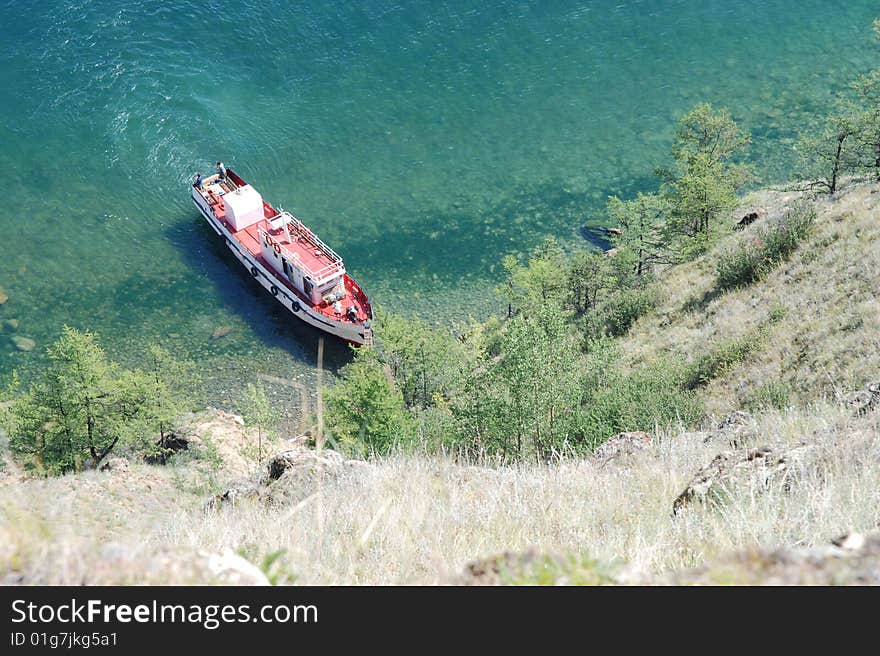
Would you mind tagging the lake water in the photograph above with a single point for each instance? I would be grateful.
(422, 140)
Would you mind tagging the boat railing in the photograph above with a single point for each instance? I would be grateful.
(296, 229)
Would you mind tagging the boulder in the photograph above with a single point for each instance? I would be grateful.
(3, 297)
(10, 325)
(864, 400)
(222, 434)
(23, 343)
(243, 491)
(859, 402)
(734, 430)
(290, 476)
(301, 461)
(623, 444)
(116, 465)
(203, 567)
(127, 564)
(852, 559)
(742, 468)
(220, 332)
(232, 569)
(534, 568)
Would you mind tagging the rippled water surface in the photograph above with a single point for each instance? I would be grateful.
(422, 140)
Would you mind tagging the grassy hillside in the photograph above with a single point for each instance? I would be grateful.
(802, 338)
(410, 519)
(819, 308)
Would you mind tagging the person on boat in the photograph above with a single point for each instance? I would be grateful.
(221, 170)
(198, 181)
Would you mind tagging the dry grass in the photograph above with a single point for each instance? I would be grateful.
(420, 520)
(829, 338)
(410, 519)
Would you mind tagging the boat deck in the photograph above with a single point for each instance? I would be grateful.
(298, 243)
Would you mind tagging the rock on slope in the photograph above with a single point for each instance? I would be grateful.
(853, 559)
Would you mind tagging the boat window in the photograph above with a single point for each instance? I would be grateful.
(286, 266)
(307, 286)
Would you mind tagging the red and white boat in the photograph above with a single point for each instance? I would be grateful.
(303, 274)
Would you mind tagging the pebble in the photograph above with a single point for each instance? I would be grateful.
(23, 343)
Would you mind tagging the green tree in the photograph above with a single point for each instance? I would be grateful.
(706, 178)
(82, 408)
(643, 221)
(259, 413)
(365, 412)
(590, 277)
(171, 393)
(520, 403)
(540, 280)
(425, 362)
(831, 153)
(868, 123)
(714, 135)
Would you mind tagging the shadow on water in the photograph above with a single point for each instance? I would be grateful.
(445, 246)
(239, 295)
(465, 241)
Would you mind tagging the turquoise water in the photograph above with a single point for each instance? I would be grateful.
(422, 140)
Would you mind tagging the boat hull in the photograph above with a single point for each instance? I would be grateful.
(268, 279)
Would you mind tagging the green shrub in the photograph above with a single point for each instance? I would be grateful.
(640, 400)
(549, 570)
(721, 359)
(620, 311)
(438, 430)
(777, 313)
(775, 394)
(766, 249)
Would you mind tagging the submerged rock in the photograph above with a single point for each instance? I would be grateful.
(222, 331)
(3, 297)
(23, 343)
(10, 325)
